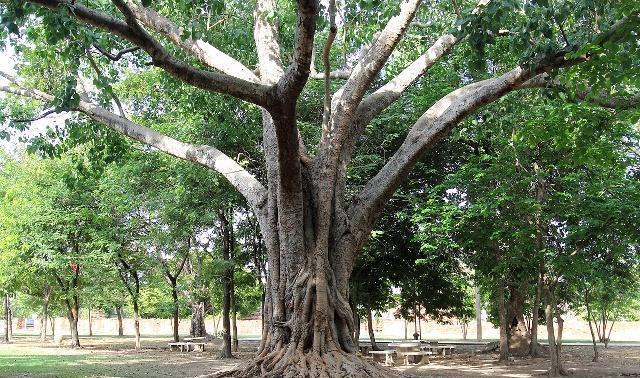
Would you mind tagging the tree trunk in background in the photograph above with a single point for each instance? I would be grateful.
(226, 285)
(234, 314)
(90, 325)
(560, 322)
(589, 319)
(198, 328)
(119, 317)
(534, 347)
(518, 336)
(502, 312)
(540, 187)
(554, 350)
(53, 326)
(5, 336)
(372, 336)
(11, 317)
(176, 308)
(45, 313)
(606, 341)
(232, 288)
(72, 314)
(136, 322)
(476, 292)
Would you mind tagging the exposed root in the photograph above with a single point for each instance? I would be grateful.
(295, 364)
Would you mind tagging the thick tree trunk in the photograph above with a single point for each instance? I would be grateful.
(502, 312)
(136, 322)
(519, 338)
(198, 328)
(119, 317)
(53, 326)
(476, 292)
(176, 308)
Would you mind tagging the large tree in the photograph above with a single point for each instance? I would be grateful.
(312, 226)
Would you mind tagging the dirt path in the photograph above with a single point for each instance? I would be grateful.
(614, 362)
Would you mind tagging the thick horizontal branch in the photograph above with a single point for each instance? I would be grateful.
(207, 156)
(203, 51)
(212, 81)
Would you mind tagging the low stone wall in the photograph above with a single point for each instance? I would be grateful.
(574, 329)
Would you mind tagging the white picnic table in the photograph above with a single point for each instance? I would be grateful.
(411, 352)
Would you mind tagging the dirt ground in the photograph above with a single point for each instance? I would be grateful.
(106, 356)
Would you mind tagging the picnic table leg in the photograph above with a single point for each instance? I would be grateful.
(389, 359)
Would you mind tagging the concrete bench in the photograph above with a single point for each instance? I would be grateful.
(414, 358)
(187, 346)
(383, 356)
(439, 348)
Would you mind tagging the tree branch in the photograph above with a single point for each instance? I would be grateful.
(346, 100)
(434, 124)
(96, 69)
(117, 56)
(211, 81)
(379, 52)
(297, 73)
(333, 30)
(208, 156)
(604, 100)
(203, 51)
(38, 117)
(265, 35)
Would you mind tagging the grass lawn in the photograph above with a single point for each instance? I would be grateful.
(104, 357)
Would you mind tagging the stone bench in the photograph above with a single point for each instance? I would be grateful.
(414, 358)
(383, 356)
(187, 346)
